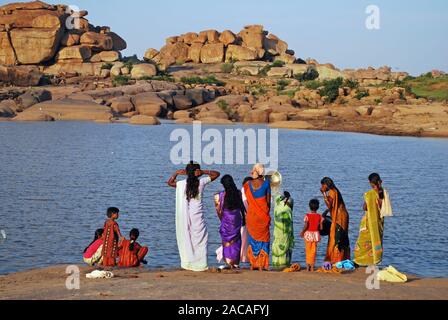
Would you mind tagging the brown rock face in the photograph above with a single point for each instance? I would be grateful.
(256, 116)
(79, 53)
(212, 53)
(144, 120)
(143, 70)
(7, 55)
(70, 39)
(97, 41)
(150, 54)
(227, 37)
(34, 46)
(177, 52)
(67, 109)
(46, 21)
(33, 33)
(194, 52)
(149, 104)
(210, 46)
(20, 75)
(238, 53)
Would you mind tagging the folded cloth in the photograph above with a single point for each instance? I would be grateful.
(386, 208)
(327, 266)
(390, 274)
(294, 268)
(99, 274)
(346, 265)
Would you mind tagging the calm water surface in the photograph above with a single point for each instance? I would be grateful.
(57, 179)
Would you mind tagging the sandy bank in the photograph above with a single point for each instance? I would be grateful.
(49, 283)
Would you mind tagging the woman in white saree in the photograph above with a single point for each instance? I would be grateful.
(191, 230)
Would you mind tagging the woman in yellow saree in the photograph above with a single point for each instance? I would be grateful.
(338, 242)
(369, 247)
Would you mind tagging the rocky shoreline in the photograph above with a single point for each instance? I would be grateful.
(218, 78)
(142, 284)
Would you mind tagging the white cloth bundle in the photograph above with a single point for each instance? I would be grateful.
(98, 274)
(386, 208)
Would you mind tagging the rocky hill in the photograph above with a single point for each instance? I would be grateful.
(37, 38)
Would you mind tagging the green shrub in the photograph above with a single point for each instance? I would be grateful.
(352, 84)
(278, 64)
(361, 94)
(290, 93)
(162, 77)
(120, 80)
(282, 84)
(330, 89)
(227, 67)
(258, 90)
(209, 80)
(107, 66)
(224, 106)
(377, 101)
(309, 75)
(313, 85)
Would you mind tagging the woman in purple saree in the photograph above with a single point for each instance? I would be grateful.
(231, 212)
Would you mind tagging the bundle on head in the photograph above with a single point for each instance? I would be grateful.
(192, 181)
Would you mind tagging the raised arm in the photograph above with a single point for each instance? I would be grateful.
(211, 173)
(172, 181)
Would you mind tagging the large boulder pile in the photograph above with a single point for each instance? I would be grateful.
(372, 76)
(210, 46)
(54, 38)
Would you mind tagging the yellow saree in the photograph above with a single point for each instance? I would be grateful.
(369, 247)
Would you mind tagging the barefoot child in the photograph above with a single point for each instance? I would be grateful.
(111, 238)
(130, 252)
(92, 254)
(311, 234)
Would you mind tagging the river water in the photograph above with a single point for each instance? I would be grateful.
(57, 179)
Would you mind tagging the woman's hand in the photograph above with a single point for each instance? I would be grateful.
(302, 234)
(181, 172)
(199, 173)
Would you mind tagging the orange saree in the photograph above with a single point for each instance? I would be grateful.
(131, 258)
(258, 222)
(338, 248)
(110, 243)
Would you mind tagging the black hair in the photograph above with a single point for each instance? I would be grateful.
(287, 197)
(111, 211)
(233, 199)
(247, 179)
(98, 234)
(330, 185)
(133, 236)
(375, 179)
(314, 204)
(192, 181)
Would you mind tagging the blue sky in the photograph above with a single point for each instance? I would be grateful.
(413, 34)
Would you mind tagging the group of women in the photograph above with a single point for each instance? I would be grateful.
(246, 220)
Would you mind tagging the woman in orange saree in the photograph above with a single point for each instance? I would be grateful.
(338, 248)
(258, 220)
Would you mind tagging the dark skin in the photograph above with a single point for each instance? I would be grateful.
(377, 189)
(257, 183)
(199, 173)
(302, 235)
(328, 201)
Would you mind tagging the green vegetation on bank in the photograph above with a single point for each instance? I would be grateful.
(426, 86)
(209, 80)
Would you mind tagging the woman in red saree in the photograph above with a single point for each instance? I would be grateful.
(338, 242)
(258, 194)
(131, 253)
(111, 237)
